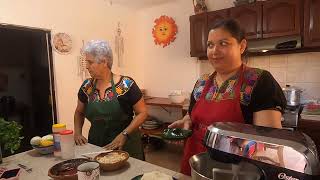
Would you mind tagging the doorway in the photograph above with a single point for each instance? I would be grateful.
(27, 93)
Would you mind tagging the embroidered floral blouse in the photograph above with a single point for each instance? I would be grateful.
(128, 93)
(259, 91)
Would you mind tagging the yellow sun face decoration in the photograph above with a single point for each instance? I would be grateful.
(164, 31)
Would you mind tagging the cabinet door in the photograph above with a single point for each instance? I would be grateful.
(215, 16)
(281, 18)
(198, 35)
(312, 23)
(250, 19)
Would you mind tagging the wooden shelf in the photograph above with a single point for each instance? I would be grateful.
(164, 102)
(154, 132)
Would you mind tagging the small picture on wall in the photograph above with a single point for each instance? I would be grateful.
(3, 82)
(62, 43)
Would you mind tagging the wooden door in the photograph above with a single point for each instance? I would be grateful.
(198, 35)
(312, 23)
(281, 18)
(250, 19)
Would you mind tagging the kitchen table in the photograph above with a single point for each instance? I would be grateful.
(40, 165)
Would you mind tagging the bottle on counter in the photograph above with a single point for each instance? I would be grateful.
(67, 144)
(56, 129)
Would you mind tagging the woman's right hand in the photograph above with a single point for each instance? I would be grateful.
(184, 123)
(80, 140)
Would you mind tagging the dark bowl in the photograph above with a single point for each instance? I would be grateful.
(66, 170)
(176, 133)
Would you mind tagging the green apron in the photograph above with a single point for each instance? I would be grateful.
(108, 120)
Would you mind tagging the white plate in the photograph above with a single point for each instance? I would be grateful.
(152, 122)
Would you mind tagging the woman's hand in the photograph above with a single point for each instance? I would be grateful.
(117, 143)
(79, 139)
(78, 124)
(184, 123)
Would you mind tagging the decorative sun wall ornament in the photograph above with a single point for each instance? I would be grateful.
(164, 31)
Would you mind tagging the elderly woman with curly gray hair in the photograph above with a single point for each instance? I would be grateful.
(112, 103)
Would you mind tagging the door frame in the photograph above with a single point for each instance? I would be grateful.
(50, 61)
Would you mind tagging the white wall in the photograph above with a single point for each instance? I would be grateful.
(214, 5)
(168, 68)
(82, 20)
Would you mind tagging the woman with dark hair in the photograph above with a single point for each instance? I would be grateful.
(232, 93)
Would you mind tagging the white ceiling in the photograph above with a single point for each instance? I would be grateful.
(139, 3)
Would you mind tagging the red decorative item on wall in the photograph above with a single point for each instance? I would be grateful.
(164, 31)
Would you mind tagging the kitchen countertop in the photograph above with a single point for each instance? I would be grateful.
(40, 165)
(310, 117)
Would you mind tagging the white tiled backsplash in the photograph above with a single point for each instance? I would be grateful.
(301, 70)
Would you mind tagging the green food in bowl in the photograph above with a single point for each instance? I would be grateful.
(176, 133)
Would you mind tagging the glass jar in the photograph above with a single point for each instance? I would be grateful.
(67, 144)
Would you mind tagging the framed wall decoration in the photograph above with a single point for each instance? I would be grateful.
(164, 31)
(62, 43)
(82, 70)
(119, 46)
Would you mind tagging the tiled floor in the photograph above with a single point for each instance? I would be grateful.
(168, 156)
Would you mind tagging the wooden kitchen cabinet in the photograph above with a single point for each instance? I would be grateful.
(281, 18)
(311, 128)
(200, 26)
(198, 35)
(312, 23)
(250, 19)
(261, 20)
(215, 16)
